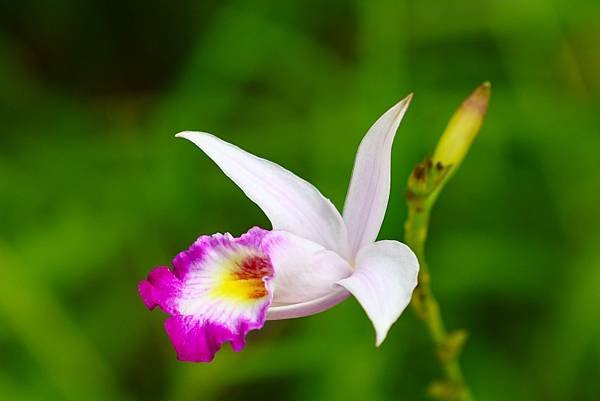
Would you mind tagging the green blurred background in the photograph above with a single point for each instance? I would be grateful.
(95, 191)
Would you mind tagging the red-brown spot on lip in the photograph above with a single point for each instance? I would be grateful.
(255, 268)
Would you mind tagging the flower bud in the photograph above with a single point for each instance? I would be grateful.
(462, 128)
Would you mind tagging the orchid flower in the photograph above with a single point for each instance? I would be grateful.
(312, 259)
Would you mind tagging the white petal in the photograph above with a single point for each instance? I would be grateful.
(369, 189)
(291, 203)
(304, 270)
(383, 282)
(278, 312)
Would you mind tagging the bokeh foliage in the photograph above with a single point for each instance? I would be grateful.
(95, 191)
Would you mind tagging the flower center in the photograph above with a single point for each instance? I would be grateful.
(243, 278)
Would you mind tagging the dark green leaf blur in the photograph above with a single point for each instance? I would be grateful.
(95, 190)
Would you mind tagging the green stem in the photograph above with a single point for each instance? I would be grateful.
(425, 183)
(428, 310)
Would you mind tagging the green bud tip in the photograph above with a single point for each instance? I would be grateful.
(479, 99)
(463, 128)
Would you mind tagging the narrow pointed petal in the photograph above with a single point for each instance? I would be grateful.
(291, 203)
(369, 189)
(385, 277)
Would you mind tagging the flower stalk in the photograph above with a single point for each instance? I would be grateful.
(424, 186)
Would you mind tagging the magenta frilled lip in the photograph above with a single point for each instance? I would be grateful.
(217, 291)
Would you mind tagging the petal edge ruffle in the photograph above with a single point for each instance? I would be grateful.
(218, 291)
